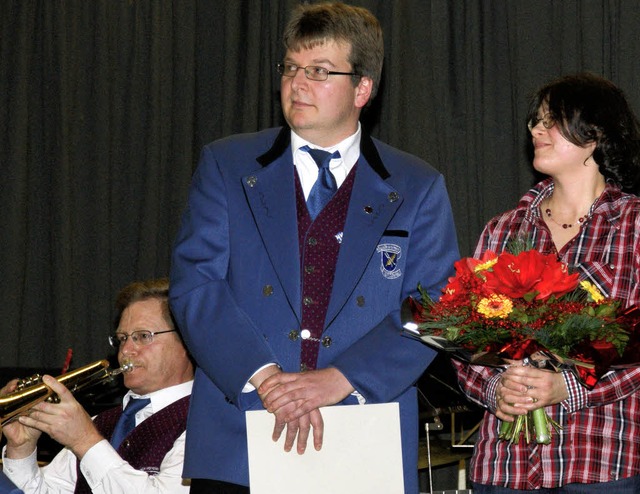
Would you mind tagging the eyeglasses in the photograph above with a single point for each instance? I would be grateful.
(547, 121)
(141, 337)
(311, 72)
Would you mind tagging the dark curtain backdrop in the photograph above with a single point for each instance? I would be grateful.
(105, 105)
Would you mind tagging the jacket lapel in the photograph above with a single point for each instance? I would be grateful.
(270, 193)
(373, 203)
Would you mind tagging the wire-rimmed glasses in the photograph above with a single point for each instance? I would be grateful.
(139, 337)
(311, 72)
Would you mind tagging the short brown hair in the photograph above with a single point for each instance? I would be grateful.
(144, 290)
(317, 24)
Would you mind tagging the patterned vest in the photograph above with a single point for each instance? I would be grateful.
(319, 243)
(147, 445)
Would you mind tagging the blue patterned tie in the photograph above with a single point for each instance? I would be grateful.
(325, 186)
(127, 421)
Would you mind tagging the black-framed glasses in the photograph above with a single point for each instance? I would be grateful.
(547, 121)
(311, 72)
(140, 337)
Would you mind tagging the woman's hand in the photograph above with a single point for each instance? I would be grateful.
(523, 388)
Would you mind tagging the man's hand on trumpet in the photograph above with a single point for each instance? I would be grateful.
(67, 422)
(21, 440)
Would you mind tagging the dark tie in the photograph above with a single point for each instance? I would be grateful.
(127, 421)
(325, 186)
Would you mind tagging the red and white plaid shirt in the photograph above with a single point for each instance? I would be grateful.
(600, 436)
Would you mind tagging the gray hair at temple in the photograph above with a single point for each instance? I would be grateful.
(316, 24)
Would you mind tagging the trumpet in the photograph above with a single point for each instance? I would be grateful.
(32, 390)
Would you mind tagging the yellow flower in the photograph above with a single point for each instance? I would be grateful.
(592, 290)
(495, 306)
(485, 265)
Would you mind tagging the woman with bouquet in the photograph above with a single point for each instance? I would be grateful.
(587, 141)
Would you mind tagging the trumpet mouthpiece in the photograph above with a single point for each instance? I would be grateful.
(127, 366)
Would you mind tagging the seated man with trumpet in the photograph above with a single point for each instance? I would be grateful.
(98, 456)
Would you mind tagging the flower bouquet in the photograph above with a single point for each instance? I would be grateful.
(523, 305)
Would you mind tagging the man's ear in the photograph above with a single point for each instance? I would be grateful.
(363, 91)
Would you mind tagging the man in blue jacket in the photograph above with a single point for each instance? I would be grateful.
(290, 267)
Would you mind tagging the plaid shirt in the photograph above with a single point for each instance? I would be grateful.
(600, 437)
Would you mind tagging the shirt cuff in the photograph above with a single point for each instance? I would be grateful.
(248, 388)
(22, 470)
(491, 388)
(578, 394)
(98, 461)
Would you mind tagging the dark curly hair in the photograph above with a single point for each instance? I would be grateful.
(588, 108)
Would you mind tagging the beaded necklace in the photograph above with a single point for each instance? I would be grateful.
(565, 225)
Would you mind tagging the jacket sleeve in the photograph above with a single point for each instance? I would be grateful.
(214, 327)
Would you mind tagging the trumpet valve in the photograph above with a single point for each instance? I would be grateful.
(28, 381)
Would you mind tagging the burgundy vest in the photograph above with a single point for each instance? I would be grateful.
(146, 446)
(319, 243)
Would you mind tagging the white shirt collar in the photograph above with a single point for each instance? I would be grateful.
(349, 149)
(159, 399)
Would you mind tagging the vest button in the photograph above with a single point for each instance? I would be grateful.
(252, 181)
(393, 196)
(303, 367)
(312, 241)
(309, 269)
(326, 341)
(307, 301)
(125, 443)
(360, 301)
(293, 335)
(267, 290)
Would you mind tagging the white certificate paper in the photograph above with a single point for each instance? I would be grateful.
(361, 454)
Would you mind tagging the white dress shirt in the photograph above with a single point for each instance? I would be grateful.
(340, 167)
(105, 471)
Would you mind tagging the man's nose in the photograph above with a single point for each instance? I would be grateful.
(299, 78)
(128, 347)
